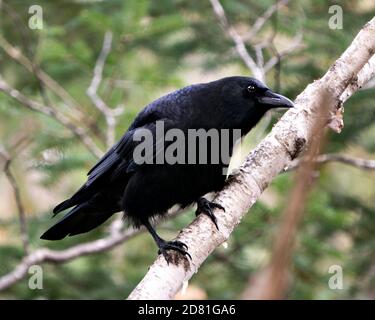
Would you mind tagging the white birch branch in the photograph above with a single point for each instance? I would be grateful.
(285, 142)
(364, 77)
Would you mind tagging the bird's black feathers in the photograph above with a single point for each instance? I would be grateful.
(118, 183)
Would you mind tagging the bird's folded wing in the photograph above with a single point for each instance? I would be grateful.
(116, 164)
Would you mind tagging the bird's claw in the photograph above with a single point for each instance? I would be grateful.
(206, 207)
(175, 246)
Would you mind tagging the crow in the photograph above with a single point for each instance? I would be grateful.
(145, 190)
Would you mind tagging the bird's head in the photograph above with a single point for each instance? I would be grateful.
(246, 100)
(252, 92)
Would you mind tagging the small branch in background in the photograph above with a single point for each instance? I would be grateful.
(238, 41)
(45, 81)
(295, 44)
(92, 91)
(16, 54)
(51, 112)
(116, 226)
(17, 196)
(259, 55)
(346, 159)
(256, 64)
(262, 126)
(44, 255)
(261, 21)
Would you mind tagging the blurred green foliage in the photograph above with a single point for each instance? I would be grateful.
(159, 46)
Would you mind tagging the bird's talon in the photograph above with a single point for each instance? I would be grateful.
(179, 244)
(205, 207)
(175, 246)
(216, 205)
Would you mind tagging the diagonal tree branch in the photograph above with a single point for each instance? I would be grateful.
(285, 143)
(51, 112)
(272, 282)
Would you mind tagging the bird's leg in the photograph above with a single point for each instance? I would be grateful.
(164, 245)
(206, 207)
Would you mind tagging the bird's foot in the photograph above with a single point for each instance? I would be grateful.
(177, 246)
(206, 207)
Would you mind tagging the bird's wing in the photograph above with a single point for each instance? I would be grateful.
(117, 163)
(120, 159)
(112, 158)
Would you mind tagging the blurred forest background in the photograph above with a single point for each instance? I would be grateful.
(151, 48)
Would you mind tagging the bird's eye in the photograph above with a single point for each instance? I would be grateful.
(251, 89)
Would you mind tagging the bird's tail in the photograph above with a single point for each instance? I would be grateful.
(82, 218)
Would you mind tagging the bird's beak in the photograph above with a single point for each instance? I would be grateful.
(275, 100)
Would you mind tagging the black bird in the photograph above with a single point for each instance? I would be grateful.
(143, 191)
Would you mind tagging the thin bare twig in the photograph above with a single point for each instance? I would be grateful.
(51, 112)
(295, 44)
(343, 158)
(45, 80)
(44, 255)
(261, 20)
(17, 196)
(256, 65)
(238, 41)
(17, 55)
(92, 91)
